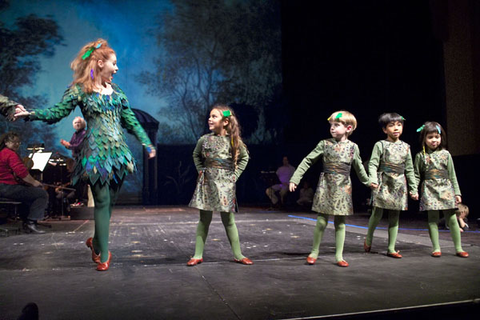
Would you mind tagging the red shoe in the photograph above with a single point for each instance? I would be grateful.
(462, 254)
(365, 247)
(103, 266)
(395, 255)
(244, 261)
(194, 262)
(95, 257)
(342, 263)
(311, 260)
(436, 254)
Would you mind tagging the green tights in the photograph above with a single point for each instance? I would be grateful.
(393, 219)
(228, 220)
(322, 221)
(451, 221)
(105, 196)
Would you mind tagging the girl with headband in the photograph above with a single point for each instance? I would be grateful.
(439, 189)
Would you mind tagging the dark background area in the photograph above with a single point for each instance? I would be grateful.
(366, 57)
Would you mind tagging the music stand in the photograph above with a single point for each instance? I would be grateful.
(40, 160)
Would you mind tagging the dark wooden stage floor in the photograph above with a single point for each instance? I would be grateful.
(149, 278)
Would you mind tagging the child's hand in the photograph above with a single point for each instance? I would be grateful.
(20, 112)
(458, 199)
(292, 187)
(373, 186)
(414, 196)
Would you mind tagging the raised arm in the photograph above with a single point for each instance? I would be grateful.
(307, 162)
(71, 98)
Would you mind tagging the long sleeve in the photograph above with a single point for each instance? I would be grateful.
(359, 168)
(410, 174)
(130, 122)
(77, 139)
(17, 166)
(307, 162)
(452, 175)
(375, 161)
(197, 155)
(242, 161)
(419, 168)
(7, 106)
(69, 102)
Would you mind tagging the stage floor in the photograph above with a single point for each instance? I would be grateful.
(149, 279)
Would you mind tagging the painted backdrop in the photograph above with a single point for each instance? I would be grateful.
(176, 58)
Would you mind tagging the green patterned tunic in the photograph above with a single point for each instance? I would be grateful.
(390, 167)
(334, 190)
(104, 155)
(215, 190)
(439, 186)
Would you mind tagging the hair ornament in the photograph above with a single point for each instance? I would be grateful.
(226, 113)
(402, 118)
(421, 128)
(338, 116)
(438, 129)
(89, 51)
(91, 73)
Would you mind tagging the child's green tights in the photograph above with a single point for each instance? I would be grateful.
(322, 221)
(393, 222)
(451, 221)
(228, 220)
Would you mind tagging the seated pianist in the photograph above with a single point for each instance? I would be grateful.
(17, 184)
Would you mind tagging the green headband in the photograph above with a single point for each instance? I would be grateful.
(338, 116)
(89, 51)
(226, 113)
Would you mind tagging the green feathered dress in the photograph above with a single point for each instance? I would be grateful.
(104, 155)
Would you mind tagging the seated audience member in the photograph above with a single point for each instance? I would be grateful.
(284, 173)
(17, 184)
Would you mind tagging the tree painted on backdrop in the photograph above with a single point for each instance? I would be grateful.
(216, 51)
(22, 45)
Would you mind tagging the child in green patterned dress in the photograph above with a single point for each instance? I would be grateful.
(220, 158)
(439, 190)
(389, 165)
(334, 190)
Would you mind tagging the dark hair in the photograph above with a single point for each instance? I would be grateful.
(432, 126)
(386, 118)
(7, 137)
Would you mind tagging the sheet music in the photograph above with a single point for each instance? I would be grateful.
(40, 160)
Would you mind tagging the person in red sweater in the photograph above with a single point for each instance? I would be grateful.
(12, 170)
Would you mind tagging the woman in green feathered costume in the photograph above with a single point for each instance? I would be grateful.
(104, 158)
